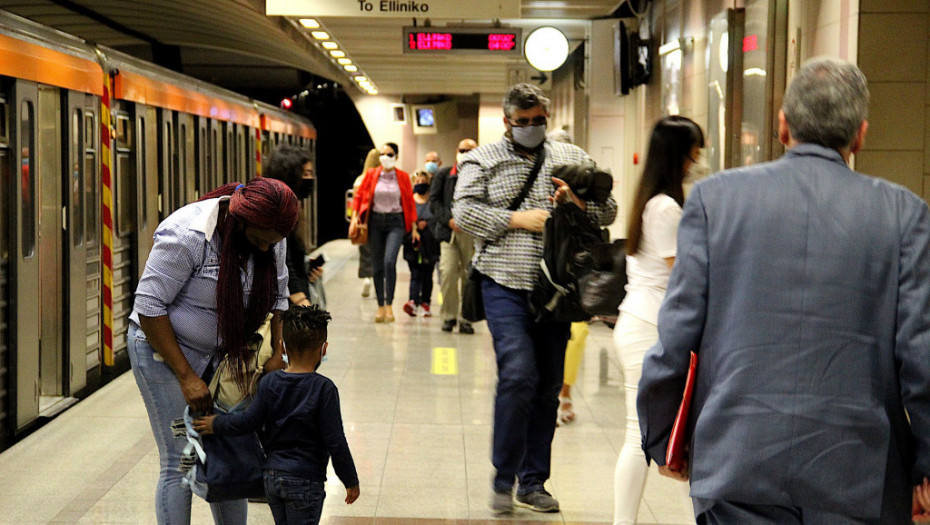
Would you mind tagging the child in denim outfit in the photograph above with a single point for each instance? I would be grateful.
(299, 410)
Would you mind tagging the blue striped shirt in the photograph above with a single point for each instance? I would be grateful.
(180, 279)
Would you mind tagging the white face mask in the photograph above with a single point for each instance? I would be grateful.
(388, 162)
(529, 136)
(697, 170)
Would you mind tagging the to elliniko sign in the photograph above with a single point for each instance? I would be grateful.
(395, 8)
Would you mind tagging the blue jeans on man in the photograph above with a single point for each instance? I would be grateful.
(530, 362)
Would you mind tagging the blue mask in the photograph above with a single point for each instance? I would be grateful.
(529, 136)
(431, 167)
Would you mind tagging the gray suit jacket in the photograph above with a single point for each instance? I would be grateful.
(804, 288)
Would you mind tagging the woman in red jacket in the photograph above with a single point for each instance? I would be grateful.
(385, 201)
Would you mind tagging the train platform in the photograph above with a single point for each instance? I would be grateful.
(417, 407)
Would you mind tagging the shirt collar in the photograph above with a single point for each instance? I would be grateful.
(205, 222)
(807, 149)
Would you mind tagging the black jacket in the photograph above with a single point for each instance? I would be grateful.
(441, 191)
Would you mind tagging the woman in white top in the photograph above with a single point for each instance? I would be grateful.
(674, 150)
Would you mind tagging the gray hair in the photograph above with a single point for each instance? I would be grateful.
(560, 135)
(826, 102)
(524, 96)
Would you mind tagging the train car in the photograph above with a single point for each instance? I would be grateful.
(96, 147)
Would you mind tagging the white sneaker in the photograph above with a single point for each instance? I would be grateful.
(366, 287)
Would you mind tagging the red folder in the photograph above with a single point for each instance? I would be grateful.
(676, 454)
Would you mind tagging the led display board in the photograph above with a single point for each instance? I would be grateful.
(463, 40)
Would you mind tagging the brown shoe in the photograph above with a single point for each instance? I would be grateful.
(379, 317)
(388, 314)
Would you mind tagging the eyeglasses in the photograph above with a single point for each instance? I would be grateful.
(524, 122)
(464, 150)
(388, 155)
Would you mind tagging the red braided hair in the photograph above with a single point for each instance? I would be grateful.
(265, 204)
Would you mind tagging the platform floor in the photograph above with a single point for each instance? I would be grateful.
(421, 440)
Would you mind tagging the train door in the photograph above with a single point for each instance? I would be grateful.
(186, 180)
(80, 169)
(203, 154)
(24, 360)
(216, 146)
(6, 202)
(167, 181)
(146, 173)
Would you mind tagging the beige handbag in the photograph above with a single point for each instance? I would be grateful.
(223, 386)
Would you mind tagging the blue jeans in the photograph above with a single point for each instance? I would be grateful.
(421, 282)
(164, 402)
(385, 236)
(294, 500)
(530, 363)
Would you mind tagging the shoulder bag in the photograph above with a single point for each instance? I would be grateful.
(472, 300)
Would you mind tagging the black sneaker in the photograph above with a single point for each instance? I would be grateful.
(466, 328)
(501, 502)
(448, 325)
(540, 501)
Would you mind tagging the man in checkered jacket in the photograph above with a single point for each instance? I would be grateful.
(508, 250)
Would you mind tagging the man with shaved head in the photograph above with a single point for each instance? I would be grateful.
(456, 246)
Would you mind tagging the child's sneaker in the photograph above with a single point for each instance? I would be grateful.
(410, 308)
(426, 312)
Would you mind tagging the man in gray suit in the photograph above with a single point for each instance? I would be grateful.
(804, 289)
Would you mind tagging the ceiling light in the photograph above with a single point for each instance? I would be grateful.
(546, 48)
(330, 45)
(360, 78)
(351, 69)
(309, 23)
(320, 35)
(373, 92)
(337, 53)
(344, 61)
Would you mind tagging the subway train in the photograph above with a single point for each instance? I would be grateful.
(96, 147)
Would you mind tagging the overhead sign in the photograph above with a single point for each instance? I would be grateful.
(464, 40)
(395, 8)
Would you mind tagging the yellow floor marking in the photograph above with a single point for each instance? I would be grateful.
(445, 362)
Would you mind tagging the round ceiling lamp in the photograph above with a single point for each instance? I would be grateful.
(546, 48)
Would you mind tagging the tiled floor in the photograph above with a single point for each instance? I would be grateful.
(421, 441)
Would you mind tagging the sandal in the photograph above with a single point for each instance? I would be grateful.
(566, 413)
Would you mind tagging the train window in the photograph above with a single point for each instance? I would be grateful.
(27, 178)
(4, 127)
(5, 182)
(91, 204)
(143, 177)
(203, 163)
(182, 166)
(123, 131)
(125, 196)
(77, 181)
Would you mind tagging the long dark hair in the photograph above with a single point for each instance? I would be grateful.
(670, 144)
(265, 204)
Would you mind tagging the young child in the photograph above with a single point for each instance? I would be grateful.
(299, 410)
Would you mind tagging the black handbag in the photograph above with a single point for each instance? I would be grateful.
(472, 299)
(603, 289)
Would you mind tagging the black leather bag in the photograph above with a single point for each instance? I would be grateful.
(603, 289)
(472, 300)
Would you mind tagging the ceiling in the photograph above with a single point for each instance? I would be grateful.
(232, 43)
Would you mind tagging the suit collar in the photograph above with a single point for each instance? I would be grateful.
(806, 149)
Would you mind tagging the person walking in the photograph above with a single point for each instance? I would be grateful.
(651, 246)
(421, 256)
(386, 198)
(508, 227)
(803, 287)
(456, 247)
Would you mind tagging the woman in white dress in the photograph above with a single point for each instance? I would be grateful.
(674, 154)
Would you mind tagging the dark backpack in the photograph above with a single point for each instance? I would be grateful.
(569, 238)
